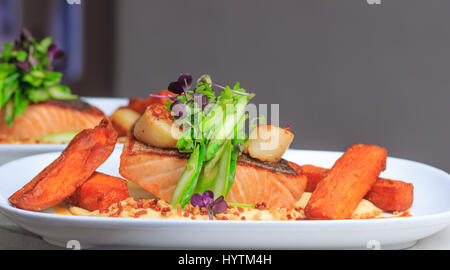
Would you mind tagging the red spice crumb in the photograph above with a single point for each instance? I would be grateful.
(155, 207)
(140, 203)
(240, 209)
(203, 211)
(261, 206)
(300, 218)
(298, 209)
(229, 206)
(186, 214)
(140, 213)
(289, 217)
(165, 211)
(243, 218)
(224, 218)
(193, 217)
(236, 213)
(119, 205)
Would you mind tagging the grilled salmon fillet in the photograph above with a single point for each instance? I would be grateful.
(279, 185)
(51, 117)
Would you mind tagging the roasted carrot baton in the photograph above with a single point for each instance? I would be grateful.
(352, 176)
(386, 194)
(87, 151)
(99, 192)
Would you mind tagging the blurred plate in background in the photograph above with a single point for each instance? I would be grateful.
(10, 152)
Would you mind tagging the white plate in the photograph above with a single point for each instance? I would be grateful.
(10, 152)
(431, 213)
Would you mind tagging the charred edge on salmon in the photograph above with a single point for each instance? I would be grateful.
(76, 104)
(282, 166)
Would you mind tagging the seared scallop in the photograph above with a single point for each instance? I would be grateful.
(157, 128)
(268, 142)
(123, 120)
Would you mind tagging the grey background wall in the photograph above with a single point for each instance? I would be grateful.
(343, 72)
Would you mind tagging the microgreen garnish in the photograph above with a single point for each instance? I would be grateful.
(212, 125)
(26, 75)
(206, 199)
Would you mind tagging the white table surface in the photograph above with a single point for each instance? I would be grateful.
(12, 237)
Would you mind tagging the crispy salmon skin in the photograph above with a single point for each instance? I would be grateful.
(346, 184)
(157, 170)
(85, 153)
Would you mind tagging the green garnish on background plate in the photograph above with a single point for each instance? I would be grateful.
(27, 76)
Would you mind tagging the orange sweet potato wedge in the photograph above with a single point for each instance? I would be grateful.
(87, 151)
(386, 194)
(99, 192)
(391, 195)
(348, 181)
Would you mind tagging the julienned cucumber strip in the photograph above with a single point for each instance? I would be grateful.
(209, 173)
(188, 180)
(220, 185)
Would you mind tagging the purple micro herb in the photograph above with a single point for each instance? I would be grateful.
(175, 88)
(183, 84)
(23, 65)
(54, 53)
(219, 205)
(206, 199)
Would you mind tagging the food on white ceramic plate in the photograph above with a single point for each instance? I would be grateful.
(60, 180)
(188, 156)
(125, 117)
(123, 120)
(34, 106)
(156, 127)
(268, 142)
